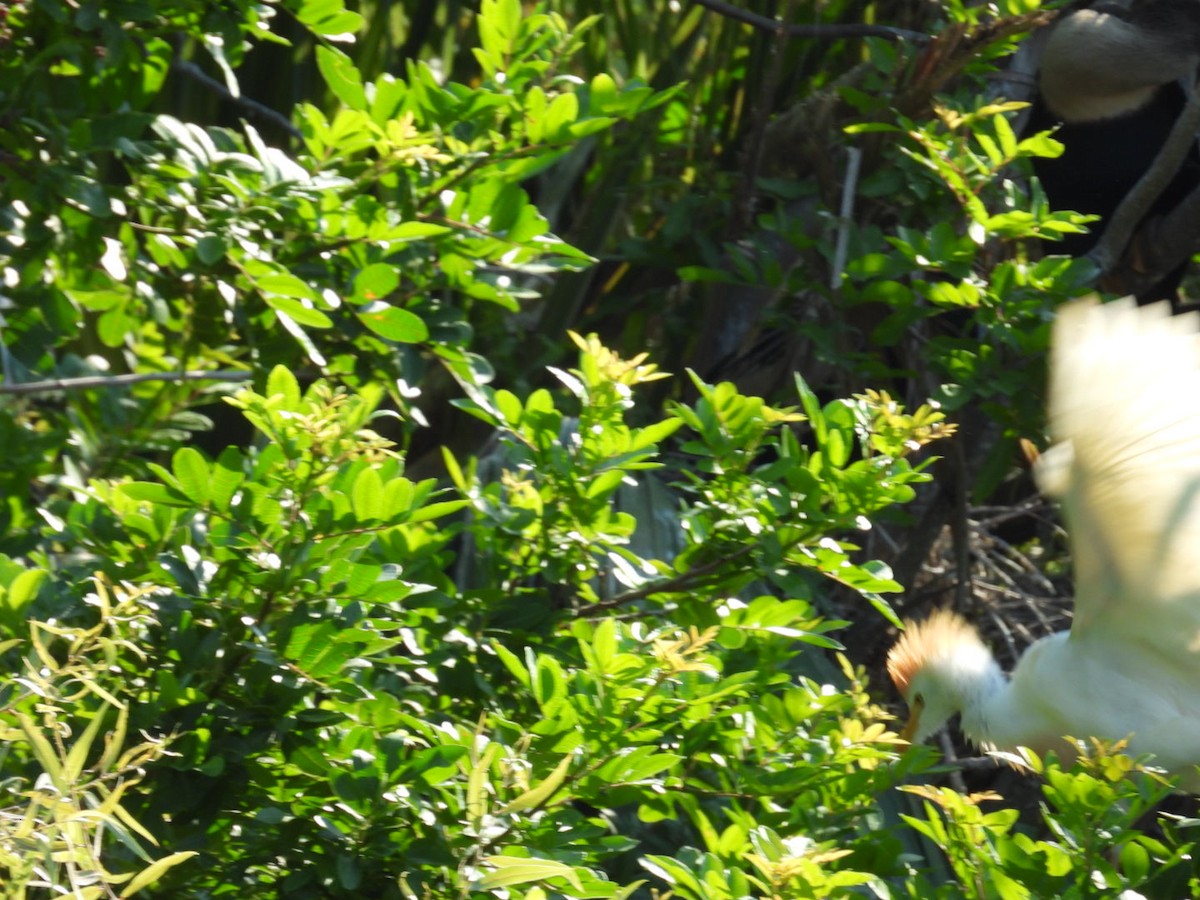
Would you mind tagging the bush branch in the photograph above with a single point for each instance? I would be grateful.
(252, 108)
(1178, 241)
(115, 381)
(775, 26)
(680, 582)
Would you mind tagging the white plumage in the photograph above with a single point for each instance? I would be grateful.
(1124, 411)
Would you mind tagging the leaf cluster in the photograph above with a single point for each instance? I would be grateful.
(263, 643)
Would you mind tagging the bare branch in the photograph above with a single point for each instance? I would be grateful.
(681, 582)
(116, 381)
(813, 31)
(1110, 250)
(845, 217)
(1165, 242)
(252, 108)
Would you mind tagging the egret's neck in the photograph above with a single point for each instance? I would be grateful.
(1024, 710)
(985, 696)
(982, 691)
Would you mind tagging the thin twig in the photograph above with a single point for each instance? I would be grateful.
(756, 145)
(114, 381)
(950, 755)
(987, 516)
(978, 764)
(960, 527)
(667, 585)
(1014, 558)
(813, 31)
(845, 216)
(252, 107)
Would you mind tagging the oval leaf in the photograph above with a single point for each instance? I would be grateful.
(191, 470)
(393, 323)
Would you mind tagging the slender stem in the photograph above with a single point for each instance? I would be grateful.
(677, 583)
(813, 31)
(116, 381)
(250, 107)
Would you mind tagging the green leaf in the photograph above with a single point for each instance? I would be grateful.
(604, 643)
(393, 323)
(20, 593)
(362, 578)
(366, 497)
(509, 405)
(349, 872)
(342, 77)
(837, 442)
(310, 760)
(512, 663)
(652, 434)
(191, 471)
(316, 651)
(156, 870)
(512, 870)
(298, 311)
(81, 747)
(499, 25)
(375, 282)
(417, 231)
(436, 765)
(535, 114)
(43, 752)
(282, 383)
(436, 510)
(537, 796)
(227, 476)
(550, 685)
(637, 764)
(1135, 862)
(210, 249)
(156, 494)
(330, 19)
(560, 116)
(604, 483)
(287, 285)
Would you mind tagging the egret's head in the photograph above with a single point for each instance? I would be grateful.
(932, 664)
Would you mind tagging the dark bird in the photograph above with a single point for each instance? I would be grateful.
(1111, 80)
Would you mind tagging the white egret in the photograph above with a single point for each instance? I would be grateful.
(1124, 418)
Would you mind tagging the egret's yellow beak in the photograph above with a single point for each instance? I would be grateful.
(914, 720)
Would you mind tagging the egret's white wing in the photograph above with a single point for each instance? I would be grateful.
(1125, 421)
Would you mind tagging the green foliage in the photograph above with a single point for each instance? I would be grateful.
(364, 709)
(1095, 846)
(63, 791)
(264, 643)
(206, 248)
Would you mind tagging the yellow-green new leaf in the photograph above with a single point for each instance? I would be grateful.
(114, 741)
(42, 751)
(155, 871)
(94, 686)
(537, 796)
(511, 870)
(78, 754)
(121, 823)
(477, 782)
